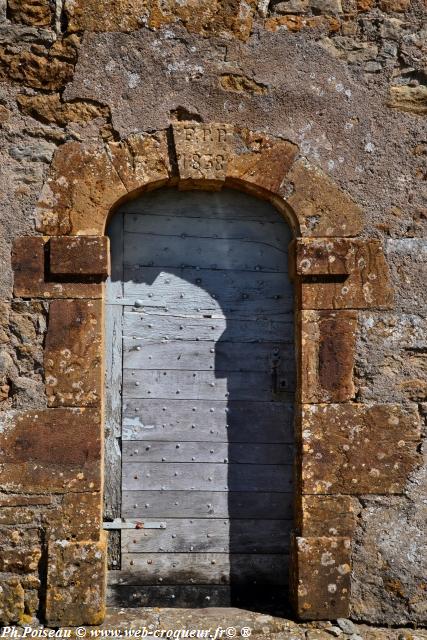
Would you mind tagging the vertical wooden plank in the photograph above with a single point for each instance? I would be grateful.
(113, 388)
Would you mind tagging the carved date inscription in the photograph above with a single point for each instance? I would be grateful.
(202, 150)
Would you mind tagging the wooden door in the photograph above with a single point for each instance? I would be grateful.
(200, 389)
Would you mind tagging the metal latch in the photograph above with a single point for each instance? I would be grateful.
(121, 523)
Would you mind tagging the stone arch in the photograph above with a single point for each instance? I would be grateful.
(335, 272)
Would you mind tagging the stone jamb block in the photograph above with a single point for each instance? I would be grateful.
(79, 256)
(52, 451)
(326, 356)
(330, 516)
(76, 582)
(74, 353)
(366, 286)
(357, 449)
(320, 577)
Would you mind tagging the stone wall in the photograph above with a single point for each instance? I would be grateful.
(83, 87)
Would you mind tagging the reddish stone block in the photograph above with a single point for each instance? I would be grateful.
(29, 257)
(366, 286)
(52, 451)
(358, 449)
(79, 256)
(73, 353)
(78, 517)
(320, 577)
(327, 356)
(76, 582)
(324, 256)
(328, 516)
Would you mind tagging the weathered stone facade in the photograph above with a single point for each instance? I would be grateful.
(101, 101)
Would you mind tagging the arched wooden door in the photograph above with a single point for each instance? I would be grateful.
(200, 391)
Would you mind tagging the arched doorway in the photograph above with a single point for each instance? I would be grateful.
(200, 392)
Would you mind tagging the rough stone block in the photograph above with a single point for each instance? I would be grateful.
(320, 206)
(328, 516)
(29, 259)
(11, 599)
(203, 152)
(366, 286)
(73, 353)
(265, 162)
(391, 357)
(358, 449)
(79, 256)
(320, 577)
(76, 583)
(78, 517)
(327, 356)
(35, 13)
(52, 451)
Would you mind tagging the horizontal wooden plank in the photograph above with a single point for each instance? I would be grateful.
(206, 476)
(152, 328)
(226, 204)
(204, 420)
(206, 504)
(263, 598)
(149, 249)
(204, 568)
(217, 536)
(243, 453)
(270, 232)
(233, 293)
(220, 356)
(203, 385)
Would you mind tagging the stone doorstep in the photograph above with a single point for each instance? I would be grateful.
(261, 625)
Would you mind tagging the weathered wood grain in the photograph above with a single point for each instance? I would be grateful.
(206, 504)
(263, 597)
(219, 356)
(244, 453)
(202, 385)
(181, 476)
(207, 420)
(113, 391)
(204, 252)
(227, 204)
(149, 327)
(187, 290)
(216, 536)
(267, 232)
(204, 568)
